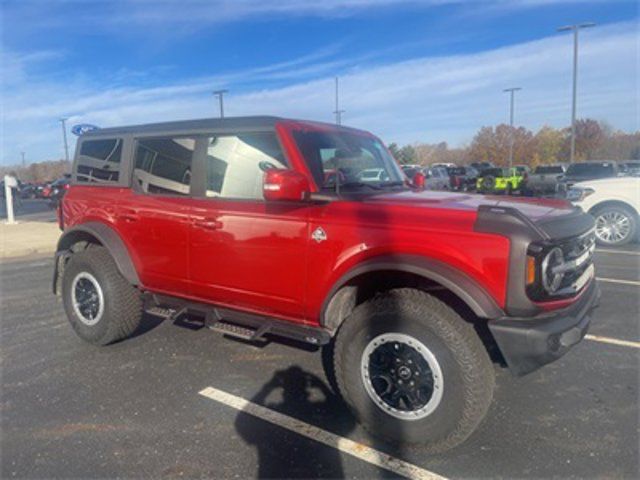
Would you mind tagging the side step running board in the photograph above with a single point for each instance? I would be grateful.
(236, 324)
(237, 331)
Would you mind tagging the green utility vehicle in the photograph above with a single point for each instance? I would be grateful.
(502, 180)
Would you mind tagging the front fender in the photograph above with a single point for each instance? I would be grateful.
(458, 282)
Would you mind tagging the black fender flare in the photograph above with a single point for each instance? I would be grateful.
(466, 288)
(109, 239)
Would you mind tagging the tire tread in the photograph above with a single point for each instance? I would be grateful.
(474, 362)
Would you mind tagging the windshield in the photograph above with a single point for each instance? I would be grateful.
(354, 160)
(494, 172)
(549, 170)
(590, 169)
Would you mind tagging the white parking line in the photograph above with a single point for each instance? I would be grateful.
(621, 252)
(612, 341)
(616, 280)
(355, 449)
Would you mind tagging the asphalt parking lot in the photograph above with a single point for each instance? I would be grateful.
(34, 210)
(133, 409)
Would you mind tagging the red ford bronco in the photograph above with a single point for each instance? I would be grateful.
(262, 226)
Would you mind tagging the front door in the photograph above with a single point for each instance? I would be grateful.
(246, 253)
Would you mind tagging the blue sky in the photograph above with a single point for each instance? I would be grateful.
(410, 70)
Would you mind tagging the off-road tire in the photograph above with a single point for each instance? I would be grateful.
(122, 303)
(328, 365)
(467, 371)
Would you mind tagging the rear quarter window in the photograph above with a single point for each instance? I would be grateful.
(99, 161)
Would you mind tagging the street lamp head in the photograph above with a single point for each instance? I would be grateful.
(512, 89)
(577, 26)
(220, 92)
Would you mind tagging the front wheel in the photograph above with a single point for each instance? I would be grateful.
(412, 370)
(615, 225)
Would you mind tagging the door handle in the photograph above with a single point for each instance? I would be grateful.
(208, 224)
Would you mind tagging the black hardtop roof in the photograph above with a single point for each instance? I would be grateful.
(203, 124)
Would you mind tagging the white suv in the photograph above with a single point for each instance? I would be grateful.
(615, 204)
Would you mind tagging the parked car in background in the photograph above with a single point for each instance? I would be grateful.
(411, 170)
(481, 166)
(544, 179)
(583, 171)
(462, 178)
(500, 180)
(615, 205)
(373, 175)
(631, 168)
(43, 190)
(58, 189)
(27, 190)
(437, 178)
(444, 165)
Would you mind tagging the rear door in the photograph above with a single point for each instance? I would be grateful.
(154, 216)
(246, 253)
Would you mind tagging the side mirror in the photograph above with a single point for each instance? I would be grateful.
(419, 180)
(285, 185)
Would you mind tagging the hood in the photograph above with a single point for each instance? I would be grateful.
(581, 176)
(618, 183)
(535, 209)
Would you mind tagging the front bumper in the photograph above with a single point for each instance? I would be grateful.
(529, 343)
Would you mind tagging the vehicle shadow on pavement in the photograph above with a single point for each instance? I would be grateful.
(147, 323)
(283, 454)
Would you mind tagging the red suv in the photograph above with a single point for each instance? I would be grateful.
(262, 226)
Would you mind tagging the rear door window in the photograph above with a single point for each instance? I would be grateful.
(163, 165)
(99, 161)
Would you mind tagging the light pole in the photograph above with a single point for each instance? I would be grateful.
(338, 113)
(512, 92)
(574, 29)
(220, 95)
(24, 163)
(64, 137)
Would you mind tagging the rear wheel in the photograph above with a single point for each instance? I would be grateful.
(615, 225)
(101, 305)
(412, 370)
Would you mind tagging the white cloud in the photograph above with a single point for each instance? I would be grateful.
(185, 16)
(425, 99)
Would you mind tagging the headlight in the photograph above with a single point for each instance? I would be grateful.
(551, 281)
(577, 194)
